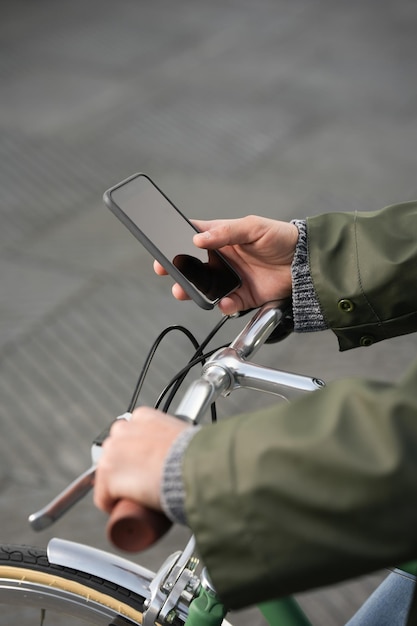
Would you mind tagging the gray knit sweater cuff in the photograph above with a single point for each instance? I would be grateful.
(307, 313)
(173, 492)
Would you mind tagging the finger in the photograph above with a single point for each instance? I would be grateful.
(118, 429)
(219, 233)
(231, 304)
(102, 498)
(158, 269)
(179, 293)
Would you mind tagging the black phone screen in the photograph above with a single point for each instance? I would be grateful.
(172, 235)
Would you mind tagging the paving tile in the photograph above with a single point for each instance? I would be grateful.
(37, 291)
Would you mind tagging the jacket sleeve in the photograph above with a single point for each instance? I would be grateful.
(306, 494)
(364, 270)
(309, 493)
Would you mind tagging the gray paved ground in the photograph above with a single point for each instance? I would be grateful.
(276, 107)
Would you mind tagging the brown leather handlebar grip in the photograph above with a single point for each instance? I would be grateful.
(132, 527)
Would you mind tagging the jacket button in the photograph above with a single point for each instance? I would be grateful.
(366, 340)
(345, 305)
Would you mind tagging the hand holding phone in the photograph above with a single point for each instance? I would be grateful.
(206, 276)
(262, 250)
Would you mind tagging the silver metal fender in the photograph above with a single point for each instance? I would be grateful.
(102, 564)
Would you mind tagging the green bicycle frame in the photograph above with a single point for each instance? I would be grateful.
(207, 610)
(284, 612)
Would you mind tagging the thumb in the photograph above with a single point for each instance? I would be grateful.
(220, 233)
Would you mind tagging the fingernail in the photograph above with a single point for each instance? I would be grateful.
(204, 235)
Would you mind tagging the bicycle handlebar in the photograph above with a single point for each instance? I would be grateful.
(132, 527)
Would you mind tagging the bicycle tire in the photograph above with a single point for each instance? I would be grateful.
(28, 579)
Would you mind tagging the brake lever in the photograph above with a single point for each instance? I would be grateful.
(72, 494)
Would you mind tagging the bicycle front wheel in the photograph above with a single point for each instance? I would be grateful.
(33, 591)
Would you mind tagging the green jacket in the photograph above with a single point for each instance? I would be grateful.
(309, 493)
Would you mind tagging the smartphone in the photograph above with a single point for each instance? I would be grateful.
(205, 275)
